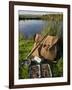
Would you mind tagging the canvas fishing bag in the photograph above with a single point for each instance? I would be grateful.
(47, 49)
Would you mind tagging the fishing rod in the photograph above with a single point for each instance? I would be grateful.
(36, 46)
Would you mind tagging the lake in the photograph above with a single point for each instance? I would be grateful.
(30, 27)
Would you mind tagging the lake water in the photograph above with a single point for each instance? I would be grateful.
(30, 27)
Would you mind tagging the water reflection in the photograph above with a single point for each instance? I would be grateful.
(30, 27)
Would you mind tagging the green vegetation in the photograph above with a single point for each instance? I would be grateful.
(23, 72)
(25, 45)
(53, 27)
(58, 68)
(53, 17)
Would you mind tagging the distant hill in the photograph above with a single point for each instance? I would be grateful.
(42, 17)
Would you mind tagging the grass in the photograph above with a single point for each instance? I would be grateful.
(57, 69)
(25, 46)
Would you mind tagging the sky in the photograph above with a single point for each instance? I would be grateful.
(23, 12)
